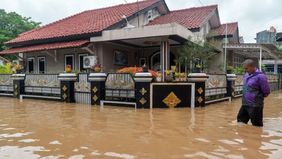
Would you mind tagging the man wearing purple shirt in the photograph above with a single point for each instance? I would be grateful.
(255, 89)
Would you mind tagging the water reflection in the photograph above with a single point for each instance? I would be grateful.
(47, 129)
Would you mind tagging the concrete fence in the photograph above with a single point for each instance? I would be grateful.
(124, 89)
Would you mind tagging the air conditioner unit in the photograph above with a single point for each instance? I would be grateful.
(89, 61)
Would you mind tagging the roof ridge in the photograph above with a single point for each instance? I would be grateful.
(79, 13)
(207, 6)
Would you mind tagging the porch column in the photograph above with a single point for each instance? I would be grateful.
(260, 58)
(165, 57)
(67, 81)
(142, 89)
(275, 67)
(230, 85)
(200, 88)
(18, 84)
(98, 84)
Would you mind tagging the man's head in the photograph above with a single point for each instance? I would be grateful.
(250, 66)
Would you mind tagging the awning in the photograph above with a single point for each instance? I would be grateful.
(252, 50)
(42, 47)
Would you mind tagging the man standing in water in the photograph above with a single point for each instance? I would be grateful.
(255, 89)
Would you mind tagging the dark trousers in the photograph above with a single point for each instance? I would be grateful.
(255, 114)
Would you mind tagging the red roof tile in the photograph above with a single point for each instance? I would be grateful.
(91, 21)
(231, 29)
(50, 46)
(189, 18)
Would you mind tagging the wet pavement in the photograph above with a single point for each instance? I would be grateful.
(46, 129)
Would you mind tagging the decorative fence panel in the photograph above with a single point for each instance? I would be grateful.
(120, 87)
(6, 84)
(273, 81)
(82, 89)
(216, 87)
(238, 86)
(42, 84)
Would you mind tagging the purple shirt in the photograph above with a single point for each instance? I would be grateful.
(256, 87)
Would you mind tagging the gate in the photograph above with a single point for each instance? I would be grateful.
(82, 89)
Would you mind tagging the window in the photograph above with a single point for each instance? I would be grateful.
(279, 69)
(30, 65)
(269, 68)
(41, 65)
(81, 62)
(69, 60)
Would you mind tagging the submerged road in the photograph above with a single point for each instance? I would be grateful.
(46, 129)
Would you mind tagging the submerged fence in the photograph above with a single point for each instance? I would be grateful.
(6, 84)
(216, 87)
(120, 87)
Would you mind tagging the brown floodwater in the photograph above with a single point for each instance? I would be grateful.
(47, 129)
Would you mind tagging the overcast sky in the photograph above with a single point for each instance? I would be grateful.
(253, 15)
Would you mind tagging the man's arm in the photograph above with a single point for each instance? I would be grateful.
(264, 85)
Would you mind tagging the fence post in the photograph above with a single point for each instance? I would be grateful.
(142, 89)
(97, 85)
(230, 85)
(200, 87)
(18, 84)
(67, 81)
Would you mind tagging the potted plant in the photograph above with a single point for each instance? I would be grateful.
(68, 69)
(18, 68)
(97, 68)
(177, 76)
(182, 77)
(159, 77)
(168, 77)
(229, 69)
(198, 68)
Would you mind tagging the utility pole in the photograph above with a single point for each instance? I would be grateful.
(138, 14)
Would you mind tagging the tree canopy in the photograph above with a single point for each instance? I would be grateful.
(13, 24)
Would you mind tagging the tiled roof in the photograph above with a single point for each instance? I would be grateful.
(87, 22)
(190, 18)
(42, 47)
(231, 29)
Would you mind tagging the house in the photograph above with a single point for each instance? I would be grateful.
(124, 35)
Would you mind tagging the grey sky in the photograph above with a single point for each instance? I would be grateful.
(253, 15)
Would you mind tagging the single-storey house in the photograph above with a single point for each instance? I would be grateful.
(124, 35)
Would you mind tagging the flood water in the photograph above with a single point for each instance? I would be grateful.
(46, 129)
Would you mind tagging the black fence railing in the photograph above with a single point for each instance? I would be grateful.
(6, 84)
(216, 87)
(120, 87)
(42, 84)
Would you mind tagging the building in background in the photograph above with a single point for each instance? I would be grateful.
(267, 36)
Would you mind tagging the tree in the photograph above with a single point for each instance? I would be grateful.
(195, 55)
(13, 24)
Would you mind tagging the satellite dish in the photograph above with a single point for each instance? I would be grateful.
(128, 25)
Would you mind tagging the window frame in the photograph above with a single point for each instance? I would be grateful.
(45, 64)
(65, 61)
(28, 69)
